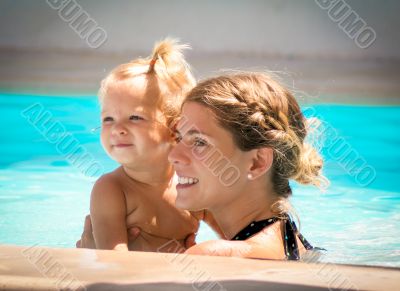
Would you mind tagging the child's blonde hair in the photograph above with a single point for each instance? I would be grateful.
(171, 71)
(260, 112)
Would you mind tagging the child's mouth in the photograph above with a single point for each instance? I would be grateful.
(122, 145)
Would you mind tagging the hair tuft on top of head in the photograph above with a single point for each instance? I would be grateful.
(166, 67)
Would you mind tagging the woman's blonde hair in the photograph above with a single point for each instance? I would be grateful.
(260, 112)
(169, 70)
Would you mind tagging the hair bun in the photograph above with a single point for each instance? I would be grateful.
(309, 167)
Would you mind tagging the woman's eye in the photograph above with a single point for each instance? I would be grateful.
(135, 117)
(199, 142)
(177, 138)
(108, 119)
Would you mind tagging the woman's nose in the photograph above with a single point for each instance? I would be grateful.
(178, 155)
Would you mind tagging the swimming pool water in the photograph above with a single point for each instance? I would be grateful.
(45, 189)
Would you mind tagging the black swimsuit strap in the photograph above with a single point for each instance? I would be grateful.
(254, 227)
(289, 232)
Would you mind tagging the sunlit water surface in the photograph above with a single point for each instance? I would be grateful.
(44, 194)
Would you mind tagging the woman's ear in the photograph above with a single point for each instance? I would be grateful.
(262, 162)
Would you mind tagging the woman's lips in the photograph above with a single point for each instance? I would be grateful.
(184, 186)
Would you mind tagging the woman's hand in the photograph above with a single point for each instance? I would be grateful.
(190, 240)
(87, 239)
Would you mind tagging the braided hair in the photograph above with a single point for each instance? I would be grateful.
(260, 112)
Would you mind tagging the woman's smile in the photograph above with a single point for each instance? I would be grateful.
(186, 182)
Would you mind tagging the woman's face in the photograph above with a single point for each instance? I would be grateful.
(212, 170)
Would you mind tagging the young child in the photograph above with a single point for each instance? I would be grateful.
(139, 100)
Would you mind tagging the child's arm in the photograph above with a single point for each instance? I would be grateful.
(108, 214)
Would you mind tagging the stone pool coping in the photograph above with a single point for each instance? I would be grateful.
(42, 268)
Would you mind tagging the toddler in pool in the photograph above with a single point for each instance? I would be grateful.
(139, 100)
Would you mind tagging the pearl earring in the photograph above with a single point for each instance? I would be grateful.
(249, 176)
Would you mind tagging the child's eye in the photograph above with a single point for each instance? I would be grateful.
(200, 142)
(135, 117)
(108, 119)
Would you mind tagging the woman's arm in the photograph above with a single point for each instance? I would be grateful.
(87, 239)
(241, 249)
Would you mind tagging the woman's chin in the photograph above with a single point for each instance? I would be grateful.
(184, 204)
(181, 205)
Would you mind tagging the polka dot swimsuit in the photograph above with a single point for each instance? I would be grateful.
(289, 232)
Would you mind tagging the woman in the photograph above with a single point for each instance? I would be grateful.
(240, 140)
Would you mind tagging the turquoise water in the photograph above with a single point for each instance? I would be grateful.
(45, 184)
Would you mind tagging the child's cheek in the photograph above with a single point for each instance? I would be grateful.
(104, 140)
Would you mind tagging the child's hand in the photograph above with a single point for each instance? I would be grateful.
(87, 240)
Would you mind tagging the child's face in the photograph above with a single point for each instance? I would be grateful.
(133, 131)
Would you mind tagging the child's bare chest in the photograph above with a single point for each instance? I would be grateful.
(157, 215)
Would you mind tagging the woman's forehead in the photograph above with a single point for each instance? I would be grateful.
(197, 118)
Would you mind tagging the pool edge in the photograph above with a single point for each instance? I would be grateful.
(42, 268)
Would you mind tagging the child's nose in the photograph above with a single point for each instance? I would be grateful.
(178, 155)
(119, 129)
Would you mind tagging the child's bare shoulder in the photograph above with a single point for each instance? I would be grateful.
(107, 197)
(114, 189)
(108, 181)
(108, 186)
